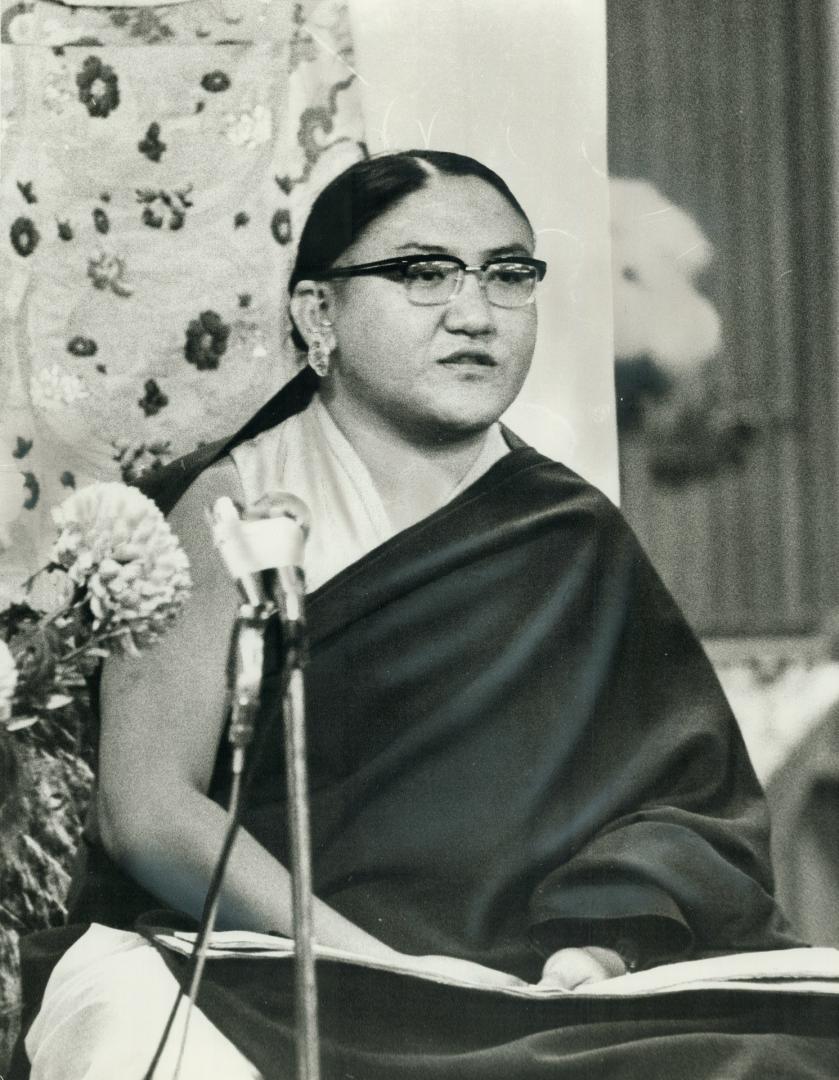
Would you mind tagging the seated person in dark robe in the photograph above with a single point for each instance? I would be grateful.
(522, 768)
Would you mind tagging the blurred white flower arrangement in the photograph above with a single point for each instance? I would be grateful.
(122, 578)
(658, 255)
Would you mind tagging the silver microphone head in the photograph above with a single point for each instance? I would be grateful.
(267, 542)
(291, 536)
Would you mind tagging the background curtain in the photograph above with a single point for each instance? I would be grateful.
(725, 107)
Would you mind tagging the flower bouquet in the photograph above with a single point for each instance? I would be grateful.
(116, 579)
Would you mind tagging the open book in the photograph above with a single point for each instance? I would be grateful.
(814, 970)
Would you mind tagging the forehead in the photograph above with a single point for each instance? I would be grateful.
(463, 215)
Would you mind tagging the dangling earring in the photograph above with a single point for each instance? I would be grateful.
(321, 347)
(319, 355)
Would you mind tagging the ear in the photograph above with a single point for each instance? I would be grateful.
(311, 308)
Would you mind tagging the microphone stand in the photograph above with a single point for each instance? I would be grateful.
(289, 595)
(248, 549)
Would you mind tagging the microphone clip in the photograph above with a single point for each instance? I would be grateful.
(247, 654)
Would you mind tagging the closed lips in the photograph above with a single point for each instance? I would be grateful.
(468, 358)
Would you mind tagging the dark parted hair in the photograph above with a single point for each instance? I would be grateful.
(364, 192)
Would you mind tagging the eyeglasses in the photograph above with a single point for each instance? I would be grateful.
(506, 282)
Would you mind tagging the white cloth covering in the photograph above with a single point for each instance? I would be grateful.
(310, 457)
(104, 1010)
(109, 996)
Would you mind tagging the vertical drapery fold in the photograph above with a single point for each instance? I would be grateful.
(723, 106)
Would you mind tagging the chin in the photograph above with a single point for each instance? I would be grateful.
(456, 423)
(475, 412)
(439, 416)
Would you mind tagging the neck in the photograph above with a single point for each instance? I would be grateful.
(414, 477)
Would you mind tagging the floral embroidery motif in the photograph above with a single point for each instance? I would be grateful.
(142, 23)
(206, 341)
(65, 230)
(24, 236)
(22, 448)
(152, 145)
(27, 192)
(249, 129)
(136, 461)
(30, 482)
(175, 204)
(101, 222)
(54, 388)
(98, 87)
(58, 92)
(314, 120)
(320, 119)
(82, 346)
(281, 226)
(106, 271)
(303, 48)
(153, 220)
(16, 24)
(153, 400)
(215, 82)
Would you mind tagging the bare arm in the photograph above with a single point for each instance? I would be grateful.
(163, 716)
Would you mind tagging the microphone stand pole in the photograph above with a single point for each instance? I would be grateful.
(290, 607)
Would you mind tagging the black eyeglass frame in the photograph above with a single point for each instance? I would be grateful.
(402, 264)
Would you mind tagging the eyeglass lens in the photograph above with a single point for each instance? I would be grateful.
(506, 284)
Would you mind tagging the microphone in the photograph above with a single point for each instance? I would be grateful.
(263, 550)
(263, 553)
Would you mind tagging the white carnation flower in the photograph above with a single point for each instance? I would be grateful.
(116, 544)
(54, 388)
(8, 681)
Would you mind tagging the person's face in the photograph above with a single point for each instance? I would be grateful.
(431, 371)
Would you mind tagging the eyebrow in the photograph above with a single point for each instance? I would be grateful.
(493, 253)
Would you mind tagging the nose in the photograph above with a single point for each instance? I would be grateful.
(469, 311)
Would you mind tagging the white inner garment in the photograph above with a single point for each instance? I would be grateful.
(310, 457)
(105, 1009)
